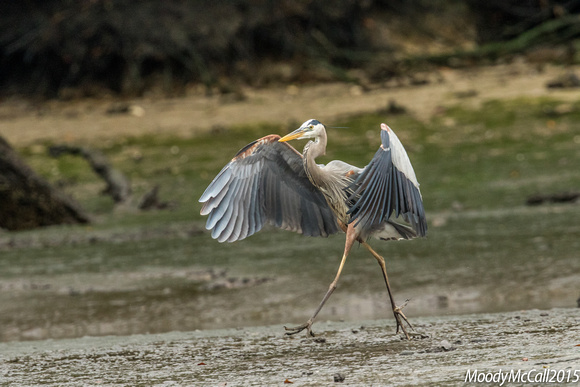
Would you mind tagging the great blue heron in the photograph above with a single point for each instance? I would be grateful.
(268, 181)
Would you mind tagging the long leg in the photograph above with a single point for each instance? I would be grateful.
(397, 311)
(350, 239)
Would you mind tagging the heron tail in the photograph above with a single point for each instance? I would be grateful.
(395, 231)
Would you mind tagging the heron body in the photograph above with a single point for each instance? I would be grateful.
(268, 181)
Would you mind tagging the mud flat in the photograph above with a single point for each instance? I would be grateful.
(445, 349)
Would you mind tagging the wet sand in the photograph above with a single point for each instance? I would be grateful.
(365, 353)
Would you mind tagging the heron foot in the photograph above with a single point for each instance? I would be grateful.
(400, 317)
(297, 329)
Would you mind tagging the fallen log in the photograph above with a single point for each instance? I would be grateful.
(118, 186)
(560, 197)
(29, 201)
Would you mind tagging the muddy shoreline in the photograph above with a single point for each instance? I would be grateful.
(88, 121)
(361, 353)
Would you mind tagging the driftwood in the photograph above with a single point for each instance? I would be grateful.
(506, 19)
(551, 33)
(560, 197)
(118, 185)
(27, 200)
(566, 81)
(151, 200)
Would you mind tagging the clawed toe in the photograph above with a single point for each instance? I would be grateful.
(297, 329)
(398, 312)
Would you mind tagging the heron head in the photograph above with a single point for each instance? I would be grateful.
(309, 129)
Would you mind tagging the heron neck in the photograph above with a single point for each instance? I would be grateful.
(311, 151)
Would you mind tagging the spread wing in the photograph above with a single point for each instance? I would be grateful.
(265, 183)
(388, 184)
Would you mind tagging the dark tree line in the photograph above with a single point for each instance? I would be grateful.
(125, 46)
(499, 20)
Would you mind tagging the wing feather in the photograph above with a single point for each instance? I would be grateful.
(240, 209)
(265, 183)
(220, 228)
(215, 211)
(388, 184)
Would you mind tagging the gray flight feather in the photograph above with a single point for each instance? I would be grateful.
(387, 186)
(265, 183)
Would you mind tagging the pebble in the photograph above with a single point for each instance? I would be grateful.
(446, 345)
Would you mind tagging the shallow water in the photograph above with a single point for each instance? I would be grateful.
(177, 278)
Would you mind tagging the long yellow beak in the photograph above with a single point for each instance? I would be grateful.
(292, 136)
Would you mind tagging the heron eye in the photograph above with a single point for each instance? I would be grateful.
(311, 127)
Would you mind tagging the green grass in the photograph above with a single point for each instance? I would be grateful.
(490, 157)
